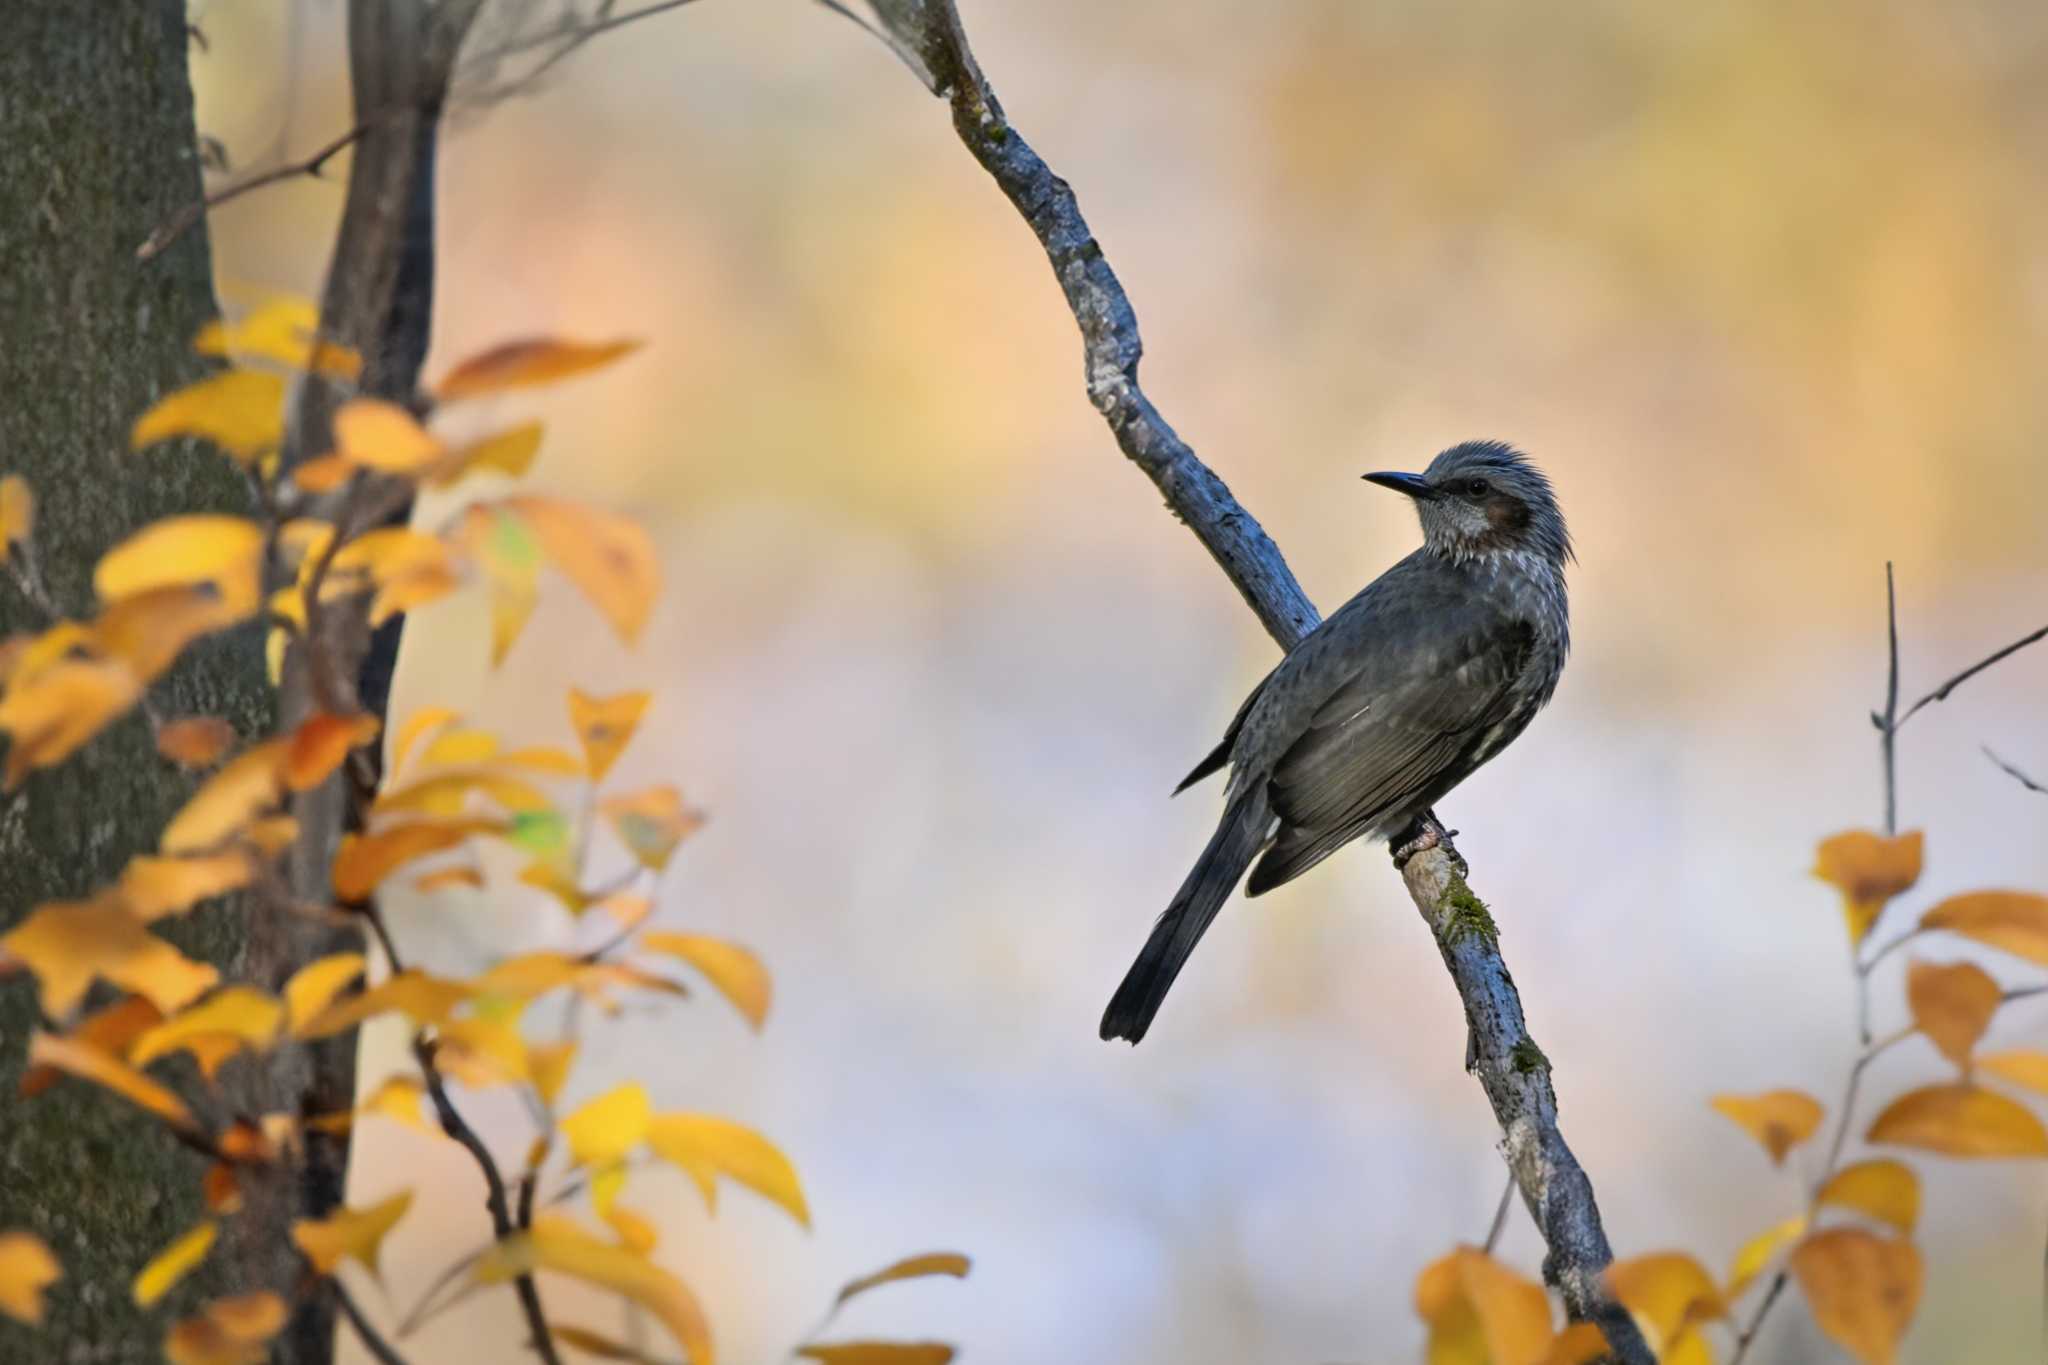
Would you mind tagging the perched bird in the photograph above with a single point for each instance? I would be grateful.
(1395, 699)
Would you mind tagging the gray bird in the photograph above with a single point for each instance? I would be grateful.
(1397, 698)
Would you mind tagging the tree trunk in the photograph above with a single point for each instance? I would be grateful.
(96, 119)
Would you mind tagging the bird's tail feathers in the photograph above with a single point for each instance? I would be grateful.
(1216, 873)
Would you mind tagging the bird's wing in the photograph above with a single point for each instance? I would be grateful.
(1220, 755)
(1388, 732)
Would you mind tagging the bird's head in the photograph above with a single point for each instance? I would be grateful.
(1483, 499)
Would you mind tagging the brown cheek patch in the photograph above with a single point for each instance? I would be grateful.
(1507, 515)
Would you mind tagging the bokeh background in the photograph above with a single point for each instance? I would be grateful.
(1764, 286)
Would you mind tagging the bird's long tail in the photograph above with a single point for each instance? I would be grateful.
(1236, 842)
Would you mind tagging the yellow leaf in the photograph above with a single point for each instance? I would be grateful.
(241, 1013)
(909, 1268)
(226, 552)
(481, 1052)
(1961, 1120)
(1759, 1251)
(195, 741)
(557, 882)
(529, 975)
(283, 330)
(241, 411)
(545, 759)
(67, 944)
(417, 726)
(735, 971)
(323, 473)
(508, 452)
(529, 361)
(269, 835)
(461, 748)
(26, 1269)
(2022, 1066)
(1668, 1291)
(559, 1245)
(17, 512)
(607, 1183)
(1862, 1289)
(49, 718)
(174, 1262)
(1779, 1119)
(320, 745)
(312, 988)
(878, 1353)
(608, 1127)
(426, 1000)
(502, 542)
(149, 630)
(610, 558)
(636, 1234)
(1583, 1343)
(89, 1063)
(606, 726)
(374, 434)
(450, 876)
(597, 1344)
(111, 1030)
(230, 1332)
(1952, 1005)
(548, 1067)
(705, 1147)
(152, 887)
(2015, 921)
(246, 786)
(1886, 1190)
(365, 860)
(1868, 869)
(445, 793)
(1480, 1311)
(357, 1233)
(400, 1098)
(652, 823)
(627, 911)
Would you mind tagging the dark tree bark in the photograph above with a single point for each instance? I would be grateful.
(96, 120)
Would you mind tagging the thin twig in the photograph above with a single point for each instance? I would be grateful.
(1748, 1334)
(373, 1342)
(1941, 693)
(2014, 772)
(1890, 727)
(1500, 1215)
(1846, 1112)
(174, 227)
(570, 35)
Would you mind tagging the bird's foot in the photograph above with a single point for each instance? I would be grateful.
(1426, 832)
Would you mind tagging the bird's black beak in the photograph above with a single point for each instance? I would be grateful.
(1414, 485)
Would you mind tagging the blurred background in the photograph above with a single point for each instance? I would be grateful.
(1763, 286)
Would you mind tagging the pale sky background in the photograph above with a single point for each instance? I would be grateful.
(1763, 287)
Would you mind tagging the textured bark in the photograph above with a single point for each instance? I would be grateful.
(1513, 1071)
(96, 120)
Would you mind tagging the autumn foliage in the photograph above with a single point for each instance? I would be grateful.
(122, 1005)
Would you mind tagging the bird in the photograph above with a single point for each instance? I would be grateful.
(1372, 717)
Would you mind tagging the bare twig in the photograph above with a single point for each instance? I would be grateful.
(1890, 728)
(1941, 693)
(174, 227)
(1500, 1214)
(2015, 772)
(1510, 1067)
(380, 1350)
(1747, 1336)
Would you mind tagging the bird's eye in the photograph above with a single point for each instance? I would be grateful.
(1478, 488)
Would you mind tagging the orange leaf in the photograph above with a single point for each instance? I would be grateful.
(1961, 1120)
(1779, 1119)
(17, 512)
(153, 887)
(350, 1233)
(67, 944)
(1868, 869)
(1670, 1291)
(323, 473)
(174, 1263)
(705, 1147)
(248, 785)
(110, 1030)
(652, 823)
(241, 411)
(735, 971)
(320, 745)
(1478, 1310)
(1886, 1190)
(226, 552)
(1862, 1289)
(220, 1190)
(231, 1331)
(449, 876)
(878, 1353)
(375, 434)
(909, 1268)
(1582, 1343)
(606, 726)
(149, 629)
(26, 1269)
(195, 741)
(1952, 1005)
(365, 860)
(2015, 921)
(519, 364)
(610, 558)
(556, 1244)
(421, 998)
(51, 717)
(312, 988)
(89, 1063)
